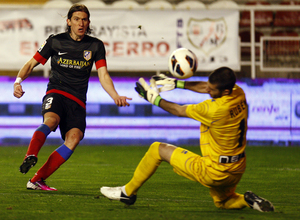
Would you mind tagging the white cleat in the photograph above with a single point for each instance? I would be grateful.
(116, 193)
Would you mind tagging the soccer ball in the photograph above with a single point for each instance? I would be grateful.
(183, 63)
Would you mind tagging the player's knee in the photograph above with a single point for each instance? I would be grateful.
(154, 150)
(51, 122)
(72, 138)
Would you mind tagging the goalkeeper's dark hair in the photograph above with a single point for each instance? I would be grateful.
(78, 7)
(224, 78)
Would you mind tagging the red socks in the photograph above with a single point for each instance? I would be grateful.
(38, 139)
(55, 160)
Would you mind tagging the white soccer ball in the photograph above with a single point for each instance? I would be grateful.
(183, 63)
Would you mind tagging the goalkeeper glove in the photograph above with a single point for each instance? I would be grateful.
(167, 83)
(144, 90)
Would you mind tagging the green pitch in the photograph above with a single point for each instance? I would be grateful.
(272, 172)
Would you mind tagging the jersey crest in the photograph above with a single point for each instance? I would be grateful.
(87, 55)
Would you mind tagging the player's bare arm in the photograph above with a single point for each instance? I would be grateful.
(24, 72)
(196, 86)
(173, 108)
(109, 87)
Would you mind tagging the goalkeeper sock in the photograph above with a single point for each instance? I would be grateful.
(38, 139)
(55, 160)
(145, 169)
(237, 201)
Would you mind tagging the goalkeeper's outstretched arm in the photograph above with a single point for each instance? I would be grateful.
(173, 108)
(196, 86)
(152, 96)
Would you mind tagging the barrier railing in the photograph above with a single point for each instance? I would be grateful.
(280, 54)
(252, 10)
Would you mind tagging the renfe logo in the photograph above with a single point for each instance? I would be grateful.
(265, 109)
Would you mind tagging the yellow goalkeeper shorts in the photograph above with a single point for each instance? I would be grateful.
(197, 168)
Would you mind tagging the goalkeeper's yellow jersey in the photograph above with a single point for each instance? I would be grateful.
(223, 128)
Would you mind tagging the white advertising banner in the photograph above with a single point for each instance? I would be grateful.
(138, 40)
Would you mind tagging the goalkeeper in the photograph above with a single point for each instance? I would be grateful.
(223, 140)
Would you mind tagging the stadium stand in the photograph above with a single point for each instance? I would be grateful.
(126, 4)
(245, 38)
(190, 4)
(109, 2)
(58, 4)
(283, 48)
(39, 2)
(93, 4)
(262, 18)
(287, 18)
(223, 4)
(158, 4)
(267, 22)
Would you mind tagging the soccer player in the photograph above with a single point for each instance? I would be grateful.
(223, 140)
(72, 56)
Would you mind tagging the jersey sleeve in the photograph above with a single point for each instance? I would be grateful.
(100, 59)
(44, 52)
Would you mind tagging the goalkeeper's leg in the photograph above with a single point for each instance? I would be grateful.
(156, 153)
(226, 198)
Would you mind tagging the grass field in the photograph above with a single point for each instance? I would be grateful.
(272, 172)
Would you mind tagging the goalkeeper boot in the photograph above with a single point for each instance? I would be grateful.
(29, 162)
(258, 203)
(39, 185)
(116, 193)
